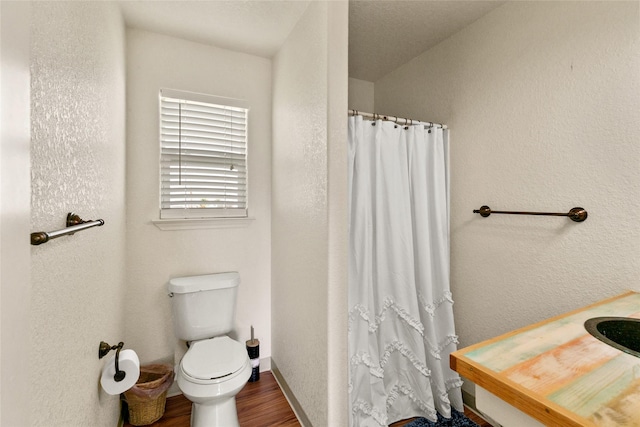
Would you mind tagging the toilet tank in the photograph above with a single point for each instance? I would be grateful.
(203, 306)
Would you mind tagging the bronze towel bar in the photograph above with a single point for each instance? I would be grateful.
(74, 223)
(575, 214)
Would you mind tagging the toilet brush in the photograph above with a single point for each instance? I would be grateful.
(253, 349)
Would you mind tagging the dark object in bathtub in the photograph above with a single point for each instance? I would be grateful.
(457, 419)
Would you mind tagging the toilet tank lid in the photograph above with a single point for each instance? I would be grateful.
(183, 285)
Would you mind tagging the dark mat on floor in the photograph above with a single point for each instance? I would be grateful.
(457, 420)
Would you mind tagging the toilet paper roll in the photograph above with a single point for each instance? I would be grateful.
(129, 363)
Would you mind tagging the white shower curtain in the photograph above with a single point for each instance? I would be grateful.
(401, 327)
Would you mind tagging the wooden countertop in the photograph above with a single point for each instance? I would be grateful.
(558, 373)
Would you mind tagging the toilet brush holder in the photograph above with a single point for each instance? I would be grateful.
(253, 349)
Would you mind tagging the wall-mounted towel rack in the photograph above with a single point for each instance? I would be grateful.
(74, 223)
(575, 214)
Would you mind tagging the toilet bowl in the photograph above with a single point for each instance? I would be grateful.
(210, 375)
(215, 368)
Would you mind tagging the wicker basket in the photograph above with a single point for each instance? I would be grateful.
(145, 410)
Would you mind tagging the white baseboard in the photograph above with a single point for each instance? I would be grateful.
(291, 398)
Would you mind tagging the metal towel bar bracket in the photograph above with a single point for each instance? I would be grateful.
(575, 214)
(74, 223)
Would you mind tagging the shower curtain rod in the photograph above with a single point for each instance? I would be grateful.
(398, 120)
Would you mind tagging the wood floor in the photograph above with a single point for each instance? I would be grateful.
(259, 404)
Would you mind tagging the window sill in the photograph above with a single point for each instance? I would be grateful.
(200, 223)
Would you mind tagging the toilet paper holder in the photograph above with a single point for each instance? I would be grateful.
(104, 349)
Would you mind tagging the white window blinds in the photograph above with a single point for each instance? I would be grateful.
(203, 163)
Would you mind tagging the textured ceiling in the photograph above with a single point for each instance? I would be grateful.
(383, 34)
(386, 34)
(254, 26)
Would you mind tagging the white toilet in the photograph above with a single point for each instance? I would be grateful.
(215, 367)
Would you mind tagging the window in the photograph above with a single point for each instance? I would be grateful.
(203, 156)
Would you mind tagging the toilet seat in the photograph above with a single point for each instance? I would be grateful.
(214, 360)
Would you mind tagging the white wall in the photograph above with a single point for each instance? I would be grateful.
(15, 190)
(309, 200)
(361, 95)
(154, 256)
(542, 99)
(337, 215)
(77, 164)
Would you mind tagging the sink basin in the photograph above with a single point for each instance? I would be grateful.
(622, 333)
